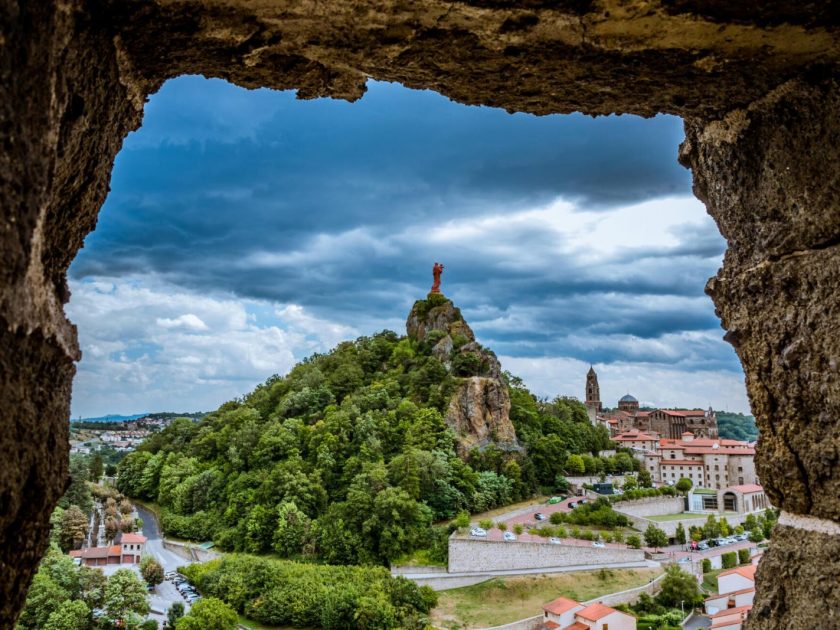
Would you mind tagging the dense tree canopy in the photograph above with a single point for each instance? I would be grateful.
(348, 457)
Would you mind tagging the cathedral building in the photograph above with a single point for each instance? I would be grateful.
(663, 423)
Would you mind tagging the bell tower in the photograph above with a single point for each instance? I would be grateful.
(593, 395)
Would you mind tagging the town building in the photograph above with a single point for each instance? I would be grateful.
(667, 423)
(593, 396)
(708, 462)
(567, 614)
(127, 549)
(736, 591)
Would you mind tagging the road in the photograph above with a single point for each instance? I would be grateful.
(166, 593)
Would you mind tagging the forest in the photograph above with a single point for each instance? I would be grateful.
(348, 460)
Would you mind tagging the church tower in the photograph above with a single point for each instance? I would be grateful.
(593, 395)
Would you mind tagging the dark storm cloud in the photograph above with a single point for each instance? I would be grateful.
(335, 207)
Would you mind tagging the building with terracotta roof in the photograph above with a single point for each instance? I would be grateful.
(730, 619)
(127, 549)
(567, 614)
(736, 592)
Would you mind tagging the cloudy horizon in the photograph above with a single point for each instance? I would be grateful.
(246, 230)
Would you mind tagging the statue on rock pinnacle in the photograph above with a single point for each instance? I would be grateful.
(436, 271)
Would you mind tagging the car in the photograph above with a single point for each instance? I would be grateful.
(741, 536)
(478, 531)
(722, 542)
(702, 546)
(572, 504)
(582, 502)
(554, 540)
(539, 516)
(598, 543)
(556, 500)
(509, 536)
(150, 588)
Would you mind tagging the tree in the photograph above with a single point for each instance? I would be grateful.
(561, 484)
(74, 526)
(96, 467)
(175, 612)
(680, 533)
(633, 541)
(462, 520)
(209, 614)
(630, 483)
(743, 556)
(683, 485)
(124, 595)
(78, 492)
(750, 523)
(757, 535)
(655, 537)
(292, 529)
(55, 525)
(707, 565)
(151, 570)
(711, 529)
(44, 598)
(71, 615)
(678, 586)
(724, 526)
(644, 478)
(575, 465)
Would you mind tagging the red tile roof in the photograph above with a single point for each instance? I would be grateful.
(733, 611)
(132, 538)
(747, 571)
(739, 592)
(577, 625)
(719, 451)
(560, 605)
(682, 462)
(594, 612)
(683, 412)
(747, 488)
(551, 625)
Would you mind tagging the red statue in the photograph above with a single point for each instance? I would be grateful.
(436, 271)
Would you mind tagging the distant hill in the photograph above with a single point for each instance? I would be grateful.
(115, 418)
(736, 426)
(111, 418)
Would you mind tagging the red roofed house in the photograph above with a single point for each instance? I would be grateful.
(567, 614)
(127, 550)
(730, 619)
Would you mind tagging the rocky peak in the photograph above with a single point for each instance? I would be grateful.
(479, 410)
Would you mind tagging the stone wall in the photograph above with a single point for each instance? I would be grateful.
(653, 506)
(191, 553)
(486, 555)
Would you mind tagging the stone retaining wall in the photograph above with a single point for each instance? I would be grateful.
(470, 555)
(190, 552)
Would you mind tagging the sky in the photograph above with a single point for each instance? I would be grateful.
(246, 230)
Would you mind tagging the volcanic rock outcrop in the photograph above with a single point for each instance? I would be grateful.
(479, 410)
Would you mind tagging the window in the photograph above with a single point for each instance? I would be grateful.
(716, 467)
(673, 456)
(740, 469)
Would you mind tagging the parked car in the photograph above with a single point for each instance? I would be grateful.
(539, 516)
(509, 536)
(722, 542)
(556, 500)
(740, 537)
(582, 501)
(599, 544)
(478, 531)
(572, 504)
(702, 546)
(554, 541)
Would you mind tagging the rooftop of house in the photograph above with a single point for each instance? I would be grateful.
(747, 488)
(132, 538)
(747, 571)
(560, 605)
(577, 625)
(594, 612)
(738, 592)
(740, 610)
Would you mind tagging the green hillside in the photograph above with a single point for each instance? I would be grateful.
(736, 426)
(348, 459)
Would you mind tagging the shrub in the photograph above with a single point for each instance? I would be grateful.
(743, 556)
(729, 560)
(707, 565)
(518, 528)
(557, 517)
(462, 520)
(485, 523)
(502, 526)
(633, 541)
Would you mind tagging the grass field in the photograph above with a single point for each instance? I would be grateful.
(502, 600)
(710, 580)
(675, 517)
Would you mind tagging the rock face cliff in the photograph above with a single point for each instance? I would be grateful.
(479, 410)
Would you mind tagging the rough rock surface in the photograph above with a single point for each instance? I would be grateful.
(769, 176)
(480, 414)
(479, 410)
(755, 81)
